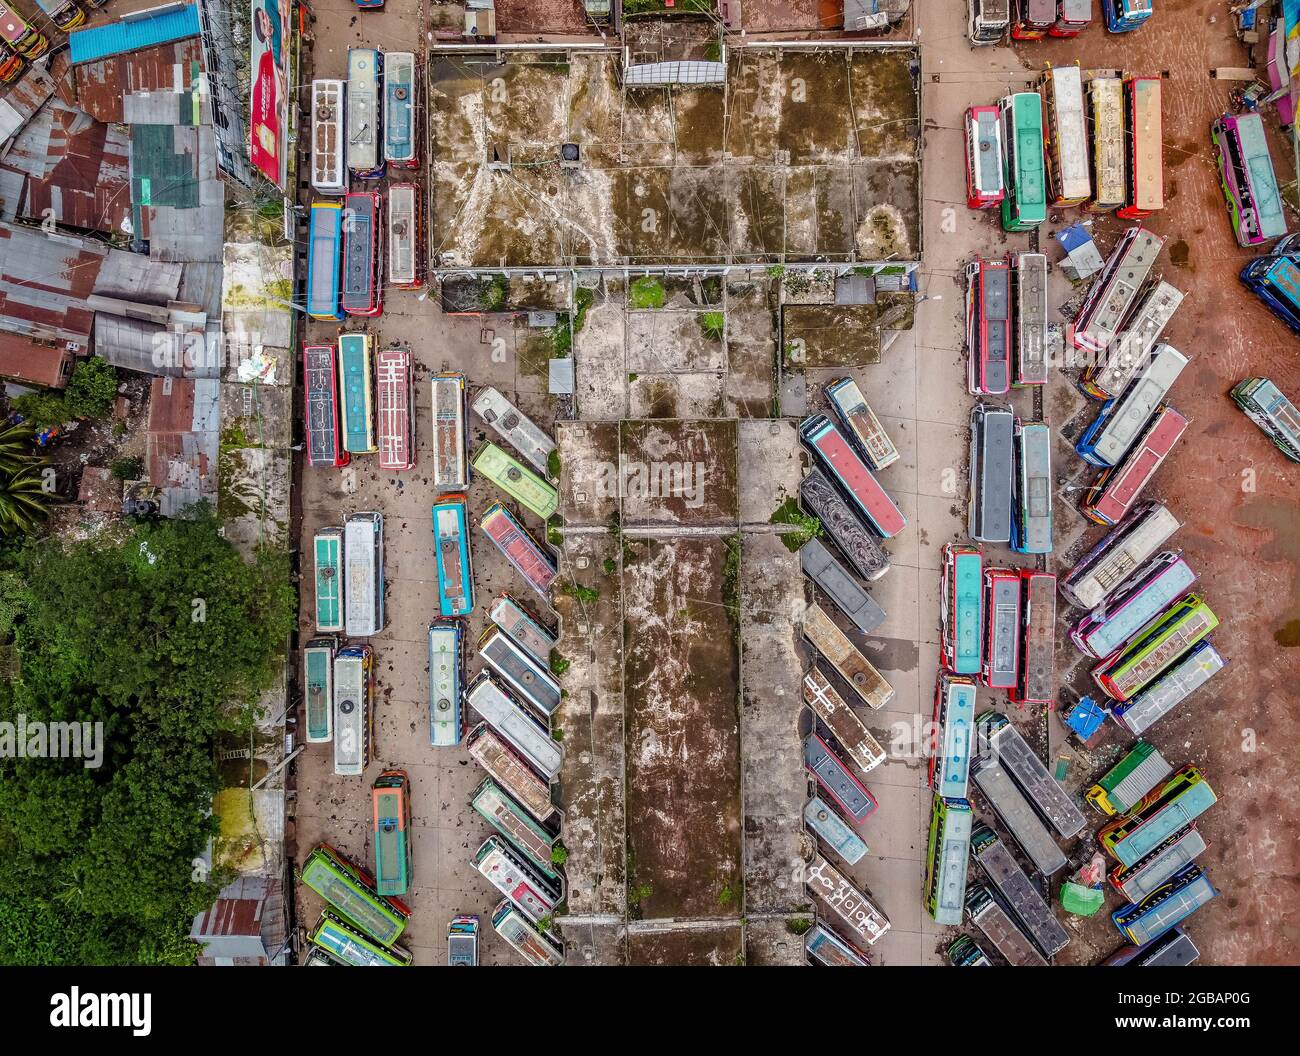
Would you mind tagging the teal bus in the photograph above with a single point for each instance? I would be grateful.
(356, 371)
(961, 609)
(328, 548)
(1162, 812)
(354, 948)
(1247, 178)
(516, 480)
(947, 857)
(1025, 204)
(350, 890)
(391, 816)
(499, 809)
(318, 688)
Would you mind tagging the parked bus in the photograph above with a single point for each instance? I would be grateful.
(836, 779)
(842, 721)
(844, 465)
(1153, 871)
(1173, 949)
(1031, 527)
(992, 434)
(356, 368)
(963, 951)
(988, 327)
(1001, 628)
(318, 688)
(1143, 596)
(847, 660)
(391, 815)
(1155, 647)
(509, 771)
(329, 174)
(1024, 206)
(324, 248)
(403, 236)
(1113, 368)
(446, 720)
(327, 546)
(1018, 892)
(354, 693)
(533, 893)
(395, 409)
(498, 809)
(1065, 136)
(961, 602)
(523, 626)
(12, 64)
(19, 36)
(987, 20)
(527, 679)
(450, 470)
(321, 401)
(946, 859)
(1163, 811)
(1268, 408)
(1115, 289)
(998, 735)
(363, 291)
(1114, 492)
(516, 480)
(1247, 178)
(1173, 903)
(985, 174)
(66, 15)
(1122, 420)
(452, 552)
(820, 565)
(364, 552)
(860, 420)
(834, 831)
(350, 892)
(526, 735)
(1072, 18)
(953, 736)
(850, 906)
(1029, 312)
(827, 949)
(352, 947)
(1032, 19)
(1158, 699)
(1010, 804)
(520, 549)
(845, 528)
(1124, 548)
(1146, 165)
(1275, 279)
(365, 157)
(1109, 145)
(1005, 934)
(401, 148)
(515, 428)
(538, 948)
(1037, 683)
(1122, 787)
(462, 940)
(1124, 16)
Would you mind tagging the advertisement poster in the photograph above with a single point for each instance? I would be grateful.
(269, 93)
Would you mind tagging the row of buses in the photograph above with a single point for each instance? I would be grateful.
(1059, 146)
(1006, 323)
(1010, 497)
(988, 20)
(346, 243)
(358, 401)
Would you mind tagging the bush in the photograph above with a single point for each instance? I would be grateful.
(43, 409)
(131, 468)
(91, 389)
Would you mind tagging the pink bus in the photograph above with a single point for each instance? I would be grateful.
(1144, 595)
(1115, 491)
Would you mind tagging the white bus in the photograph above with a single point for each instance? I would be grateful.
(365, 147)
(537, 948)
(364, 560)
(1125, 547)
(450, 469)
(1116, 364)
(403, 236)
(524, 733)
(1065, 136)
(354, 686)
(1121, 422)
(515, 427)
(446, 720)
(329, 174)
(1115, 289)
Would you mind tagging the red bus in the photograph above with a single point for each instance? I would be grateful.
(321, 399)
(1002, 630)
(988, 326)
(362, 250)
(1037, 683)
(1033, 18)
(843, 463)
(1115, 491)
(395, 409)
(985, 173)
(1072, 18)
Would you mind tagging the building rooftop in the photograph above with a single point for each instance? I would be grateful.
(133, 32)
(181, 440)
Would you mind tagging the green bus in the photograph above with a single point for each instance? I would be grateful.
(1165, 810)
(1025, 205)
(516, 480)
(946, 859)
(351, 947)
(391, 803)
(1155, 647)
(328, 548)
(351, 891)
(1125, 783)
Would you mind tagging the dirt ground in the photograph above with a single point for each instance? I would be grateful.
(550, 17)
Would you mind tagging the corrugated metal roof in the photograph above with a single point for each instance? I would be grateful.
(23, 100)
(179, 202)
(44, 283)
(167, 69)
(34, 363)
(118, 38)
(182, 440)
(135, 277)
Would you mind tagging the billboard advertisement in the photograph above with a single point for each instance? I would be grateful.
(269, 90)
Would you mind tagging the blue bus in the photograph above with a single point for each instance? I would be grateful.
(961, 609)
(834, 830)
(1124, 16)
(954, 729)
(1275, 279)
(1122, 420)
(1173, 903)
(451, 553)
(325, 247)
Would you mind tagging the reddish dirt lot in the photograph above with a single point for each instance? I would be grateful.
(550, 17)
(766, 16)
(1242, 729)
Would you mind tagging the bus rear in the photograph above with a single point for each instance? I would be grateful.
(1072, 18)
(1124, 16)
(1032, 19)
(987, 20)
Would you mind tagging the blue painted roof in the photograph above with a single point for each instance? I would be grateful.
(118, 38)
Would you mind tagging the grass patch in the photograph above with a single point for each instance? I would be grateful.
(553, 464)
(585, 595)
(713, 324)
(610, 566)
(583, 299)
(559, 664)
(798, 925)
(646, 292)
(789, 513)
